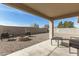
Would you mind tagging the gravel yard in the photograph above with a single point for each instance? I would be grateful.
(7, 47)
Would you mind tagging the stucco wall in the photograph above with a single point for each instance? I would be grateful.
(66, 32)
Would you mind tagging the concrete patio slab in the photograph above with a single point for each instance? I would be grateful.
(64, 51)
(41, 49)
(45, 49)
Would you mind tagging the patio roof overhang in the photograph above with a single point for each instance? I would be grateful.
(49, 10)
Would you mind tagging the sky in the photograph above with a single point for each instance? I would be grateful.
(12, 17)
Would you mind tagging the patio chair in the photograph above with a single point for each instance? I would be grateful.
(73, 42)
(57, 39)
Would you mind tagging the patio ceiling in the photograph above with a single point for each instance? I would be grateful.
(49, 10)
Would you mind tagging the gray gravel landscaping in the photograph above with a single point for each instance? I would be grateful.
(7, 47)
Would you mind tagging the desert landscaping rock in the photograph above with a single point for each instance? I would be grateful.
(8, 47)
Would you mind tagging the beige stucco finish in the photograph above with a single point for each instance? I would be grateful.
(51, 29)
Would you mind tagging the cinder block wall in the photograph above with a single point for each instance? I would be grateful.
(21, 30)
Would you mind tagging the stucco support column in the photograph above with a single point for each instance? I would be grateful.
(51, 29)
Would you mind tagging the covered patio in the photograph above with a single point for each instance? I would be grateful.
(49, 11)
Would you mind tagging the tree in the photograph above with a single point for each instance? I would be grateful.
(66, 24)
(60, 25)
(35, 25)
(69, 24)
(46, 26)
